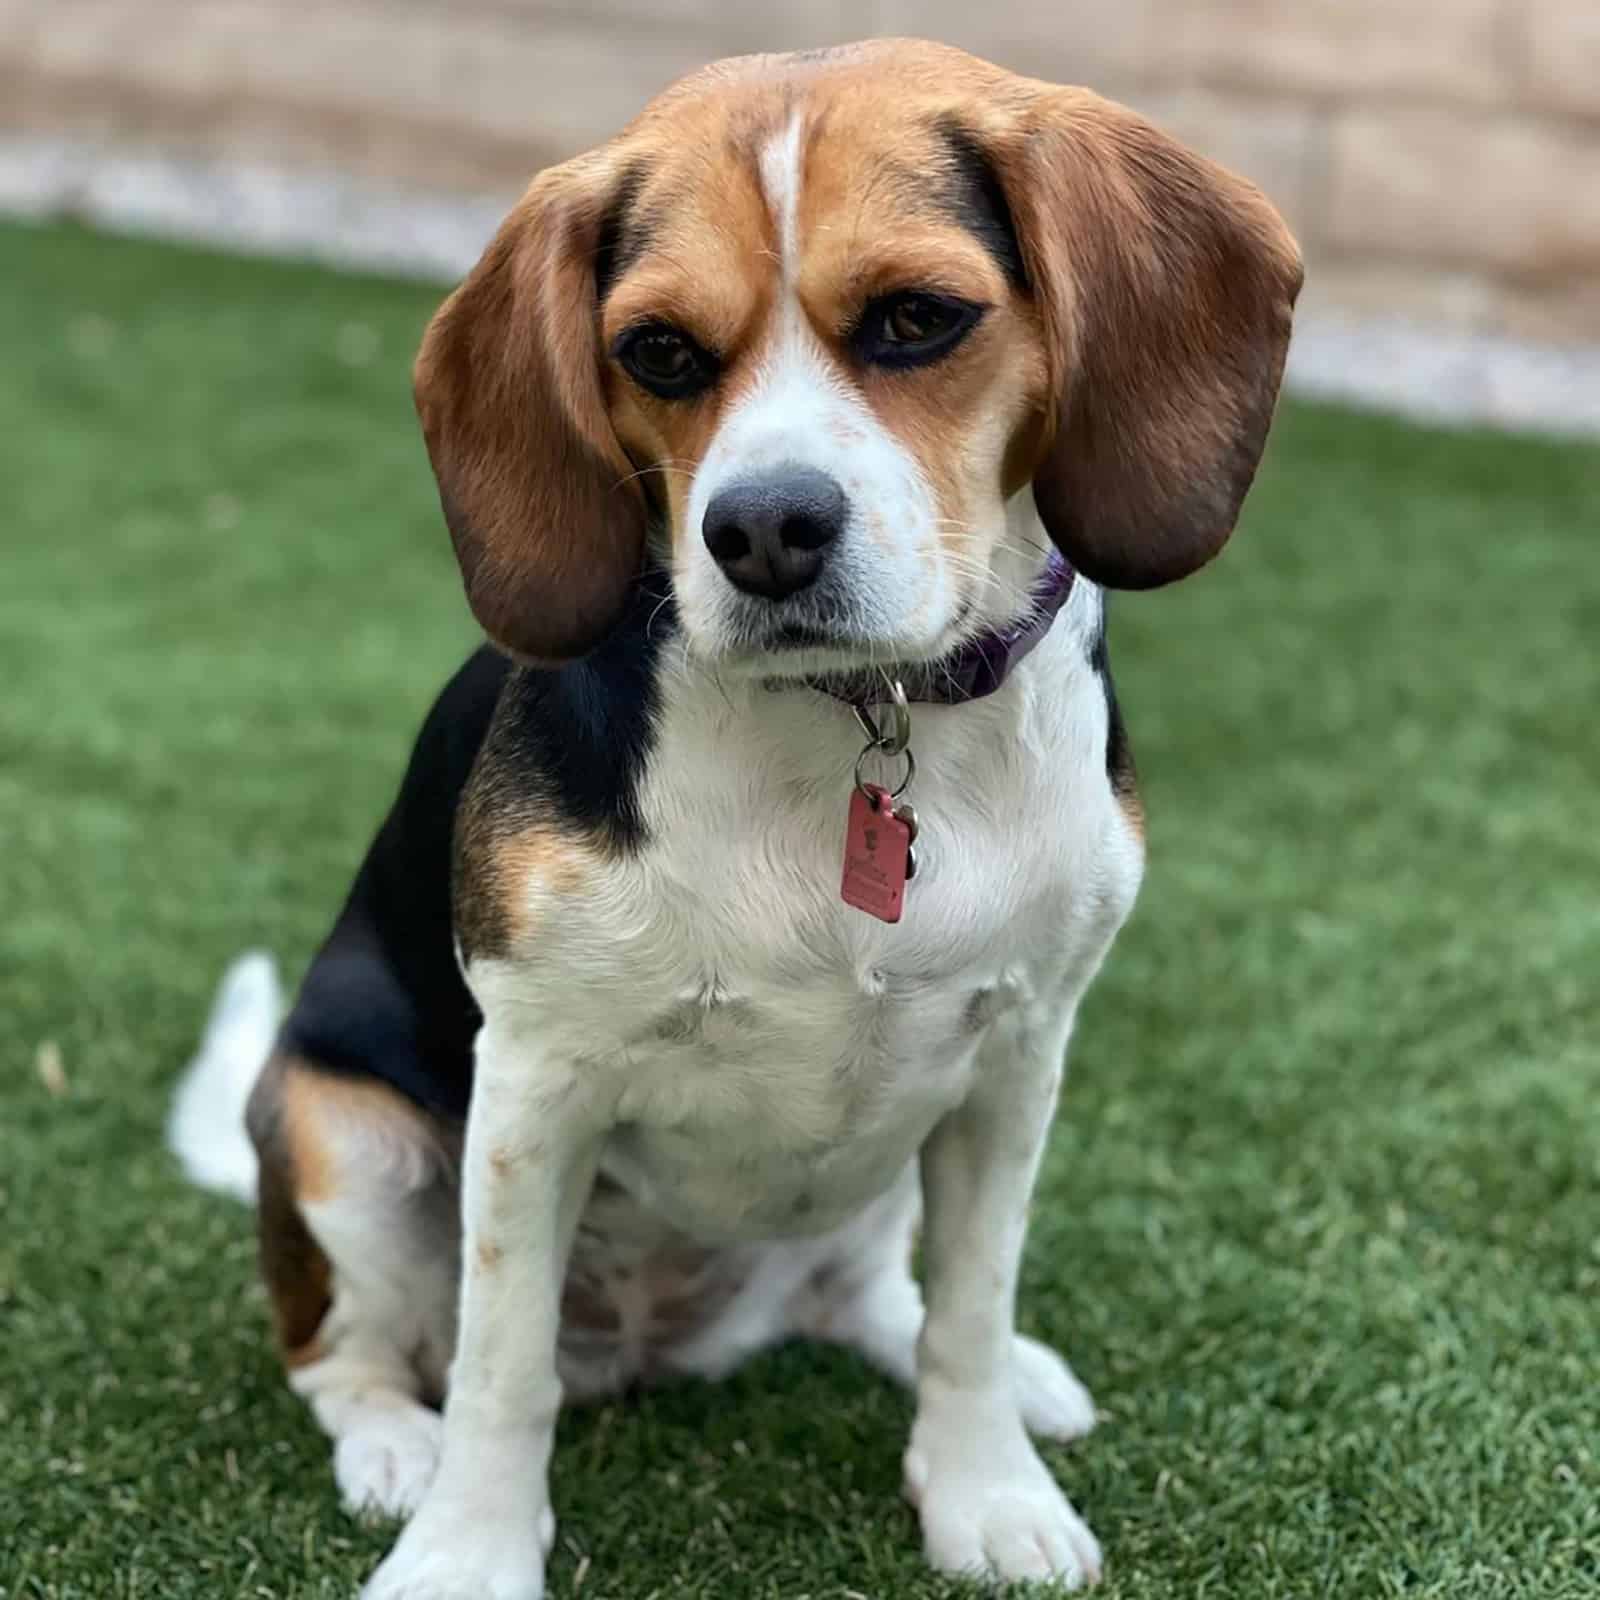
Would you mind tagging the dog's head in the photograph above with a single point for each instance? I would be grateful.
(826, 329)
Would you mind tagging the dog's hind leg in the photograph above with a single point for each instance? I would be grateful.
(359, 1250)
(865, 1297)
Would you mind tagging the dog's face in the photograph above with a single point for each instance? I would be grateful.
(821, 350)
(827, 329)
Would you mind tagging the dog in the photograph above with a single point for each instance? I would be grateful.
(789, 444)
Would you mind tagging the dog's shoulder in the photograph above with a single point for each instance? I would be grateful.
(557, 783)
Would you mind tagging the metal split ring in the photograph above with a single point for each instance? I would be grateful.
(892, 743)
(905, 782)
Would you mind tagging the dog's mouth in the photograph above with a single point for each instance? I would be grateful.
(790, 650)
(807, 636)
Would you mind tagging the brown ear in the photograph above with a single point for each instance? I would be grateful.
(1166, 286)
(548, 523)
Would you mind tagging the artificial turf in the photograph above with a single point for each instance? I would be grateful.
(1319, 1220)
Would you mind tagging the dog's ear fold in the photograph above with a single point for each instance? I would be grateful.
(548, 523)
(1165, 285)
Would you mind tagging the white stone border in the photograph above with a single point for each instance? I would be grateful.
(1446, 375)
(264, 210)
(1394, 364)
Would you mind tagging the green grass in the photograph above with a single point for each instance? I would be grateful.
(1319, 1220)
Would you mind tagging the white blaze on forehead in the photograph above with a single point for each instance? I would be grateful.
(780, 182)
(800, 407)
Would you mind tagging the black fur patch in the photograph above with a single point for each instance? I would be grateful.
(1119, 753)
(572, 741)
(623, 235)
(976, 199)
(384, 997)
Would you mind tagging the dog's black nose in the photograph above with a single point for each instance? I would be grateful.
(771, 533)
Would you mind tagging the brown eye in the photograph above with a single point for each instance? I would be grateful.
(916, 318)
(665, 360)
(914, 327)
(662, 357)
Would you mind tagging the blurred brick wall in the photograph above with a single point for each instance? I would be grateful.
(1439, 158)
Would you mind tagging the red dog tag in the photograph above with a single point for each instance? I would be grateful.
(877, 850)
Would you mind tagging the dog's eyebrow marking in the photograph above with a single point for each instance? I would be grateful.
(623, 236)
(779, 165)
(973, 196)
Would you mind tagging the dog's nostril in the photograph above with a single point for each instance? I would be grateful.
(725, 539)
(806, 533)
(769, 533)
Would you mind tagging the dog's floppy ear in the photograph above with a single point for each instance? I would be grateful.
(548, 524)
(1165, 285)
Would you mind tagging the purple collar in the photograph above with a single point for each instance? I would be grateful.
(978, 667)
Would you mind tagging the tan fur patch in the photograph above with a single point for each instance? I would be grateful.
(1123, 773)
(1133, 810)
(295, 1114)
(541, 861)
(511, 856)
(297, 1274)
(1126, 789)
(316, 1102)
(507, 871)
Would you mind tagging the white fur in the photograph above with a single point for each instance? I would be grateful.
(206, 1127)
(988, 1504)
(879, 578)
(780, 183)
(812, 1058)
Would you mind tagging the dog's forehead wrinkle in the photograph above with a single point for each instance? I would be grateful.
(867, 198)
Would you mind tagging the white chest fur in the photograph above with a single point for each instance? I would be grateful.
(771, 1057)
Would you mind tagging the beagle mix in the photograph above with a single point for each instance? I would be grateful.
(787, 442)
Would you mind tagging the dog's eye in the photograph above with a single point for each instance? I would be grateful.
(917, 318)
(907, 329)
(665, 360)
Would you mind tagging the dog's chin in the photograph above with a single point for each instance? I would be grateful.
(788, 651)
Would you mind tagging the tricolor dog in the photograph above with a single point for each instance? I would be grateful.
(788, 444)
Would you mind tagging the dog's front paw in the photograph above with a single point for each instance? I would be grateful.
(462, 1551)
(990, 1508)
(384, 1463)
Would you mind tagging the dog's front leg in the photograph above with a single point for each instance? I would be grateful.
(533, 1137)
(988, 1504)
